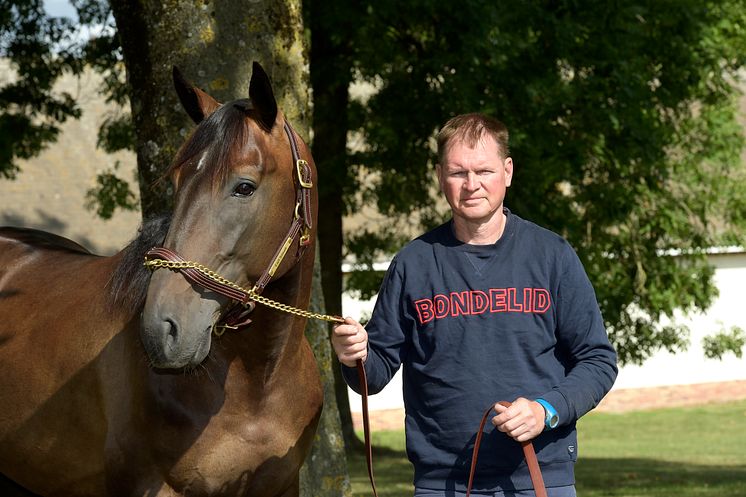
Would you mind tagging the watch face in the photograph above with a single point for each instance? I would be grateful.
(551, 420)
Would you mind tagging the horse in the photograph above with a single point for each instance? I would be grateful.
(118, 379)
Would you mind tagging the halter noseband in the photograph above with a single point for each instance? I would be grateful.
(237, 316)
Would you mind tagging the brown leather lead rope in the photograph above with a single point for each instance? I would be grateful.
(528, 451)
(528, 448)
(366, 423)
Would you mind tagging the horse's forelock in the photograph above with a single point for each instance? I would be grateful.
(216, 142)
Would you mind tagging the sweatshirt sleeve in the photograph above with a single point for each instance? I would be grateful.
(583, 343)
(386, 335)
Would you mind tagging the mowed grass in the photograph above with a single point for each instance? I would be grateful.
(675, 452)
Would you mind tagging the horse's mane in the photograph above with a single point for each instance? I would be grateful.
(128, 285)
(217, 137)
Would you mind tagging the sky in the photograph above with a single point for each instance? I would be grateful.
(63, 8)
(59, 8)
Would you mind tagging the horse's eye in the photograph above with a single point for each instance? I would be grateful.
(244, 189)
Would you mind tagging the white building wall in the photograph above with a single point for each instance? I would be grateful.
(49, 192)
(691, 366)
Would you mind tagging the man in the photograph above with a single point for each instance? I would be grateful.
(486, 307)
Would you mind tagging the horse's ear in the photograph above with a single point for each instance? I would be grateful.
(260, 93)
(197, 103)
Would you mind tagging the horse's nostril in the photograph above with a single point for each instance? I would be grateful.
(172, 328)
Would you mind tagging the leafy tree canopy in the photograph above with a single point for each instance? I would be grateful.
(624, 134)
(39, 49)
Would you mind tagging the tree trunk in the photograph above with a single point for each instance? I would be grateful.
(328, 474)
(331, 73)
(214, 44)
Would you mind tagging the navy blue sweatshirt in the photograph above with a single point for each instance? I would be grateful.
(475, 324)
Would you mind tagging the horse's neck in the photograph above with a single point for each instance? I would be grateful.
(274, 336)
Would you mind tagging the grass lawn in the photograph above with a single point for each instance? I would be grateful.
(676, 452)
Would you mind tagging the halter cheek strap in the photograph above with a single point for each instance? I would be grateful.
(302, 221)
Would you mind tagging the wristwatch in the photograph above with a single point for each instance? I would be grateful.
(551, 418)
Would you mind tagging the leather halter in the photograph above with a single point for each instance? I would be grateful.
(300, 228)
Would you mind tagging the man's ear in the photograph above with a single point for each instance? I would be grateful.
(508, 165)
(198, 104)
(439, 172)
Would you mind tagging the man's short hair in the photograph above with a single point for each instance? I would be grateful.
(469, 129)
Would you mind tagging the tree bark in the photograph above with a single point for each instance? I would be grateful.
(326, 476)
(214, 44)
(331, 74)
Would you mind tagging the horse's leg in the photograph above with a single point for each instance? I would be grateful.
(9, 488)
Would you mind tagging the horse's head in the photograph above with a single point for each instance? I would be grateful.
(236, 184)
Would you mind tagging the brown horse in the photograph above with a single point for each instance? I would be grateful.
(113, 382)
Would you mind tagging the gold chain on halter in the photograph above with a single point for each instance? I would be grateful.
(161, 263)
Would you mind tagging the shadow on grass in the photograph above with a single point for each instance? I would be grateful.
(622, 477)
(391, 468)
(630, 477)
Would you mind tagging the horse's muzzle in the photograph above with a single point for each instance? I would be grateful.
(169, 346)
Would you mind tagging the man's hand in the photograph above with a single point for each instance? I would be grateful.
(350, 342)
(522, 421)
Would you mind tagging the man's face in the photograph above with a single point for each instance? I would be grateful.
(474, 180)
